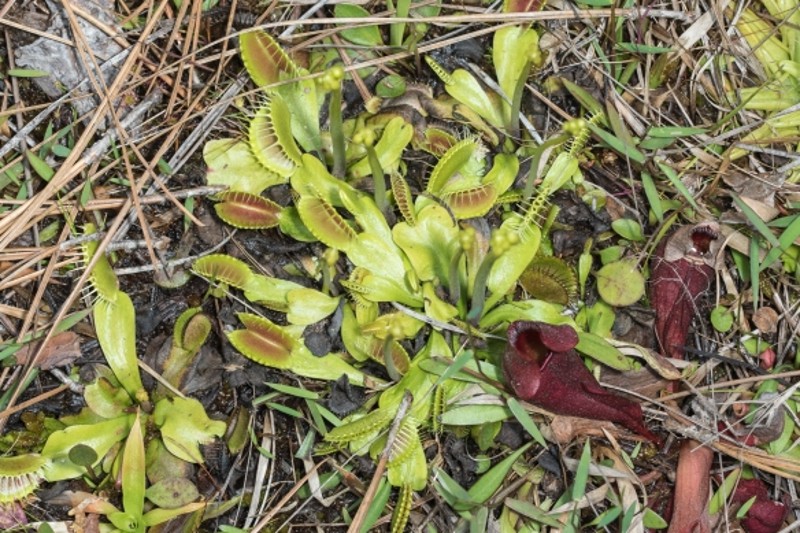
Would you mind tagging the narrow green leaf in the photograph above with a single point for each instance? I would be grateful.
(755, 284)
(133, 471)
(583, 96)
(533, 512)
(582, 473)
(485, 487)
(620, 146)
(627, 518)
(787, 238)
(673, 132)
(294, 391)
(41, 167)
(606, 518)
(61, 150)
(27, 73)
(653, 520)
(453, 368)
(285, 410)
(480, 519)
(718, 499)
(677, 183)
(653, 198)
(451, 491)
(628, 229)
(159, 516)
(378, 505)
(643, 48)
(603, 352)
(525, 420)
(756, 221)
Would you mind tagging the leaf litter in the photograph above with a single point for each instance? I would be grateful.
(653, 193)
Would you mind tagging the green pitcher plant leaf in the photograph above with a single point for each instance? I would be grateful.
(270, 68)
(106, 398)
(325, 223)
(463, 86)
(430, 244)
(102, 279)
(270, 292)
(364, 35)
(514, 49)
(172, 493)
(190, 332)
(460, 167)
(159, 516)
(389, 148)
(403, 199)
(407, 464)
(191, 329)
(264, 59)
(309, 306)
(620, 283)
(397, 325)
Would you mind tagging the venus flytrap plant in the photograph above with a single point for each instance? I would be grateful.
(433, 265)
(106, 439)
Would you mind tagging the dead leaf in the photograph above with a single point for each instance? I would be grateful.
(62, 349)
(766, 319)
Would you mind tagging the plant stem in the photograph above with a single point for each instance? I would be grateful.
(337, 133)
(479, 288)
(379, 182)
(454, 281)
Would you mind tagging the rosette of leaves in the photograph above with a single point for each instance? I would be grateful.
(431, 269)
